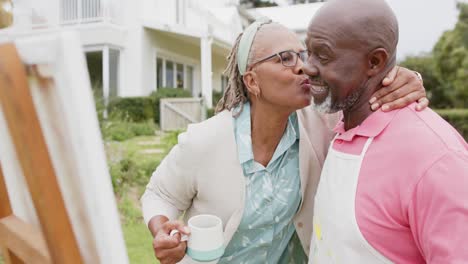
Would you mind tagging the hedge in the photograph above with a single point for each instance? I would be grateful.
(134, 109)
(458, 118)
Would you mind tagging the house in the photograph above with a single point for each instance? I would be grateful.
(295, 17)
(134, 47)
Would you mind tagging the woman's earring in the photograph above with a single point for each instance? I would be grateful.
(257, 94)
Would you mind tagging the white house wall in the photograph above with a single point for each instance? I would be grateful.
(132, 54)
(219, 65)
(131, 67)
(100, 34)
(160, 10)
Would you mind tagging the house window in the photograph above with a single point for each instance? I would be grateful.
(96, 63)
(173, 74)
(180, 75)
(189, 78)
(169, 74)
(159, 72)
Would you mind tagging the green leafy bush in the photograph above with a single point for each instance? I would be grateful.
(457, 118)
(134, 109)
(166, 93)
(123, 174)
(210, 112)
(123, 130)
(117, 131)
(144, 128)
(216, 96)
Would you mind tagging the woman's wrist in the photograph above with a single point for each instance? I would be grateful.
(156, 223)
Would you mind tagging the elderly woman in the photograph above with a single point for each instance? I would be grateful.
(256, 163)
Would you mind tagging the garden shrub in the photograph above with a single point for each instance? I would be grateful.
(210, 112)
(123, 174)
(216, 96)
(117, 131)
(134, 109)
(143, 128)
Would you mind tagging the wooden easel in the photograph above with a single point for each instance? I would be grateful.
(22, 242)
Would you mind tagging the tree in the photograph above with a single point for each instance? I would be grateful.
(436, 90)
(451, 59)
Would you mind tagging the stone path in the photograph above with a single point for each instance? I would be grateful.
(154, 143)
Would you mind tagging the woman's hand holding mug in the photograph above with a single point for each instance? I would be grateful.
(170, 249)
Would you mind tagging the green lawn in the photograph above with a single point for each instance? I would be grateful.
(131, 163)
(139, 243)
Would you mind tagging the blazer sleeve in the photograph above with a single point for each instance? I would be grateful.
(172, 186)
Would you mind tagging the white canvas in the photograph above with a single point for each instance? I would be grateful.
(69, 122)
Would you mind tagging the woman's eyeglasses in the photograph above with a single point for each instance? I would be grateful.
(288, 58)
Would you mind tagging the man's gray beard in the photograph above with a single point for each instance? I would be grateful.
(327, 107)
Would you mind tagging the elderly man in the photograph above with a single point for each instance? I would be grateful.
(394, 187)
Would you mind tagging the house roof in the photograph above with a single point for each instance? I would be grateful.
(295, 17)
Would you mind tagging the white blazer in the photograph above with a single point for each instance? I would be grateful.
(202, 174)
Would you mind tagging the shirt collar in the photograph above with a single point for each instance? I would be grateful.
(243, 133)
(242, 128)
(372, 126)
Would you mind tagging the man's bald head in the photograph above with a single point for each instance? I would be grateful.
(370, 24)
(352, 46)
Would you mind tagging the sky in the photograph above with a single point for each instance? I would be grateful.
(422, 22)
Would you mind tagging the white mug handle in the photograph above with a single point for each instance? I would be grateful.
(183, 237)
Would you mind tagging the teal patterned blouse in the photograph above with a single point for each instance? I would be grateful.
(266, 233)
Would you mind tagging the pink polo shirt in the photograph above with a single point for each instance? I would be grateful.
(412, 194)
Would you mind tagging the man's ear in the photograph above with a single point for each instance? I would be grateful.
(377, 60)
(251, 82)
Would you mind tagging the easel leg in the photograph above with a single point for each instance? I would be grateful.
(5, 210)
(10, 258)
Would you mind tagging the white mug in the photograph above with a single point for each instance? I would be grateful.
(206, 240)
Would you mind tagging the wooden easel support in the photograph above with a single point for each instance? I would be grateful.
(5, 211)
(24, 243)
(57, 244)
